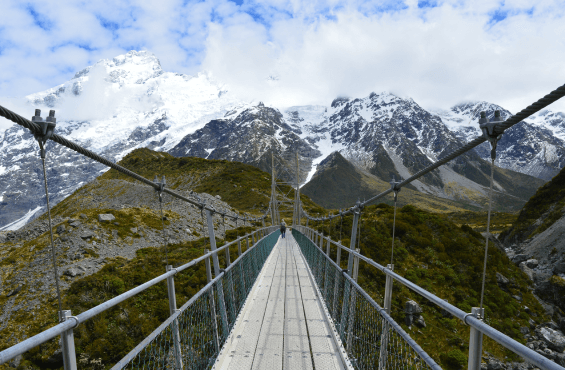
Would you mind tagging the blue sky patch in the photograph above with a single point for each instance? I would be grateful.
(427, 4)
(39, 19)
(109, 25)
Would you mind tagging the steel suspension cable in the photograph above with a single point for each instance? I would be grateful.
(53, 253)
(35, 129)
(487, 234)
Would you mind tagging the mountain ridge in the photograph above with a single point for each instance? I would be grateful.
(138, 104)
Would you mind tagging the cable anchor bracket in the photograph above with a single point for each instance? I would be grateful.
(160, 186)
(47, 127)
(394, 186)
(489, 129)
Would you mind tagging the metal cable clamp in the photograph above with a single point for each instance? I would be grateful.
(47, 127)
(489, 128)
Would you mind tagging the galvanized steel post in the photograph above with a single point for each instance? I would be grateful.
(352, 306)
(388, 290)
(337, 275)
(475, 342)
(68, 343)
(327, 268)
(346, 287)
(239, 247)
(212, 303)
(217, 272)
(172, 311)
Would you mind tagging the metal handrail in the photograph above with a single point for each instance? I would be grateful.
(427, 359)
(127, 358)
(516, 347)
(60, 328)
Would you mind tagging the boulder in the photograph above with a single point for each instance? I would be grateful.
(71, 272)
(532, 263)
(413, 308)
(218, 197)
(494, 364)
(528, 271)
(87, 235)
(519, 258)
(554, 339)
(61, 229)
(75, 223)
(134, 230)
(15, 291)
(83, 216)
(413, 311)
(3, 239)
(420, 322)
(559, 268)
(501, 280)
(106, 217)
(524, 330)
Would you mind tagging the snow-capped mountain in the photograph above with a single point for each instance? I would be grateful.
(129, 102)
(249, 135)
(110, 108)
(535, 147)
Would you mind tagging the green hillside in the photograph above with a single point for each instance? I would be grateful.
(540, 212)
(447, 260)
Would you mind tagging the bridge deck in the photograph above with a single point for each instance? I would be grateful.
(283, 325)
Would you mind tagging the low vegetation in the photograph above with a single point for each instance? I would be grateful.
(447, 260)
(540, 212)
(105, 339)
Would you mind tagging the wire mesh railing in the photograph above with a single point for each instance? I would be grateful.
(353, 332)
(372, 339)
(193, 336)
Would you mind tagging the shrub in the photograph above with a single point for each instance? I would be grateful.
(454, 359)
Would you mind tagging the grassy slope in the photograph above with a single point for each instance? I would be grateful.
(105, 339)
(540, 212)
(243, 186)
(341, 184)
(446, 260)
(101, 339)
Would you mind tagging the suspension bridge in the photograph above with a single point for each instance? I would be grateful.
(284, 302)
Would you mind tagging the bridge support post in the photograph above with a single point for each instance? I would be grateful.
(347, 285)
(68, 344)
(337, 277)
(239, 247)
(388, 290)
(352, 305)
(475, 342)
(327, 268)
(172, 311)
(212, 303)
(217, 273)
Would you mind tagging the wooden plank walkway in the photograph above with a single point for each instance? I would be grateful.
(282, 325)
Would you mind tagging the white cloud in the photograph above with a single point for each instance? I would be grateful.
(299, 52)
(439, 56)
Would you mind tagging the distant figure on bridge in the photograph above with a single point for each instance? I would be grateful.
(283, 228)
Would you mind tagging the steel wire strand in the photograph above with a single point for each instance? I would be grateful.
(365, 350)
(487, 236)
(34, 128)
(511, 121)
(53, 253)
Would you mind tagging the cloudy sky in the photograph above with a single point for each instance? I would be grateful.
(291, 52)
